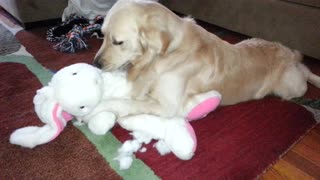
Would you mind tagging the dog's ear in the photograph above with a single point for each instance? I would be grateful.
(154, 39)
(155, 35)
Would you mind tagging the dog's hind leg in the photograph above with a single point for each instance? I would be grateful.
(311, 77)
(293, 82)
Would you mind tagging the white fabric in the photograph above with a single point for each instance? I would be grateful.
(88, 9)
(172, 135)
(81, 90)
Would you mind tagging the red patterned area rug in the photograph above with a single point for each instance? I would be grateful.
(234, 142)
(70, 156)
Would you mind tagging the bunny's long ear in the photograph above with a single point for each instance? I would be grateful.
(43, 94)
(43, 103)
(50, 113)
(31, 136)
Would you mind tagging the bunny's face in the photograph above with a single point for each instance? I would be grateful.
(78, 88)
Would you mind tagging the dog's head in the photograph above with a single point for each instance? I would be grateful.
(131, 30)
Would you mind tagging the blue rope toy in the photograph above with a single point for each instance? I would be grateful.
(71, 33)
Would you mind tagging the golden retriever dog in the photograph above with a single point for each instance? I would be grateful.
(170, 59)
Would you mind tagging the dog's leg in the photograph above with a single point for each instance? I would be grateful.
(165, 100)
(126, 107)
(170, 92)
(265, 89)
(293, 83)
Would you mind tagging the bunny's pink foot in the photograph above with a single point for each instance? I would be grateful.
(207, 102)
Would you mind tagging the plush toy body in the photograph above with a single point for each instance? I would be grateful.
(75, 90)
(80, 90)
(174, 135)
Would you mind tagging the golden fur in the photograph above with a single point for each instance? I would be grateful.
(170, 59)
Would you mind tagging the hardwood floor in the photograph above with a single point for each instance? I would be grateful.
(301, 162)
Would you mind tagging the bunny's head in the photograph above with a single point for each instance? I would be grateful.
(78, 88)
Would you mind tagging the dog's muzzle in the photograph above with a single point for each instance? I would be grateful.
(96, 63)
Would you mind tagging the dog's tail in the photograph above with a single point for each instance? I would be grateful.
(314, 79)
(311, 77)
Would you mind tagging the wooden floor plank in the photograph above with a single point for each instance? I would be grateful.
(290, 172)
(309, 151)
(302, 162)
(312, 139)
(273, 174)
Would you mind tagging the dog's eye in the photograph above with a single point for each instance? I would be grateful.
(82, 107)
(74, 73)
(117, 43)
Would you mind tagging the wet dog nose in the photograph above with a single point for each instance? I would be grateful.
(97, 64)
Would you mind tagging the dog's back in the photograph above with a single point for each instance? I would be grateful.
(175, 58)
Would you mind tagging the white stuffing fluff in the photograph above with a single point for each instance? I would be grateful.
(143, 150)
(172, 135)
(125, 153)
(125, 161)
(129, 147)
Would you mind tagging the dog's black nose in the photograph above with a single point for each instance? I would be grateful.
(97, 64)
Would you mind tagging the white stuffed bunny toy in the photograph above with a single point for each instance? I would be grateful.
(80, 90)
(75, 90)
